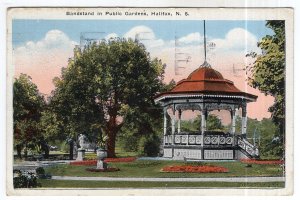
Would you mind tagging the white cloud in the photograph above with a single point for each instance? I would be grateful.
(54, 39)
(111, 36)
(141, 33)
(237, 39)
(191, 38)
(145, 35)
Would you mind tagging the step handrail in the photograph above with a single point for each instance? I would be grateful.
(244, 144)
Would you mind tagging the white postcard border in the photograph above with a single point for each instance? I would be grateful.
(196, 13)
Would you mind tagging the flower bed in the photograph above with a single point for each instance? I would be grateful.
(127, 159)
(94, 162)
(84, 162)
(262, 162)
(195, 169)
(110, 169)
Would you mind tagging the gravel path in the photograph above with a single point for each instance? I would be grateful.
(32, 165)
(234, 179)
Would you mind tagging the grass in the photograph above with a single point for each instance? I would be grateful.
(124, 184)
(119, 153)
(142, 168)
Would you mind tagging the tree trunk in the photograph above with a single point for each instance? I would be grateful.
(19, 150)
(25, 152)
(71, 150)
(112, 129)
(46, 150)
(111, 144)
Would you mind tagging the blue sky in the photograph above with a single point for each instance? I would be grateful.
(43, 47)
(34, 30)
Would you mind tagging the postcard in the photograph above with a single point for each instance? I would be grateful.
(149, 101)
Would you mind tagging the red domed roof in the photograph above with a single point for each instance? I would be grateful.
(205, 73)
(206, 80)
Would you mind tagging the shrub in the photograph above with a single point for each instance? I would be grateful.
(129, 142)
(25, 180)
(40, 171)
(149, 145)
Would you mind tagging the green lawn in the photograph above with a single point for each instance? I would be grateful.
(124, 184)
(153, 169)
(119, 153)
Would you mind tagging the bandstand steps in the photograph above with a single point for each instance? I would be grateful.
(247, 148)
(248, 154)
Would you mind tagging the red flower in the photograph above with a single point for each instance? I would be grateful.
(262, 162)
(85, 162)
(195, 169)
(127, 159)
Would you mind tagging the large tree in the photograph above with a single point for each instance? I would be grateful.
(106, 85)
(27, 108)
(268, 74)
(268, 70)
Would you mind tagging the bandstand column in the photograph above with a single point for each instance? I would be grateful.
(165, 125)
(233, 120)
(244, 120)
(203, 121)
(179, 121)
(203, 129)
(173, 126)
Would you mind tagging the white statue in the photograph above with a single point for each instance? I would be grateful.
(81, 140)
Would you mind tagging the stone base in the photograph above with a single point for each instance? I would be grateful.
(80, 154)
(101, 164)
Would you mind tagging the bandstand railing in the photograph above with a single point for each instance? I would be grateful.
(183, 139)
(212, 139)
(197, 139)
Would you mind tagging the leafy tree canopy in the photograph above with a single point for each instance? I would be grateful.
(105, 85)
(27, 108)
(268, 70)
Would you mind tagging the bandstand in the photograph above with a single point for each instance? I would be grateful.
(206, 90)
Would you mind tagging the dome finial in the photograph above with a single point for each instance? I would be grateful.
(205, 64)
